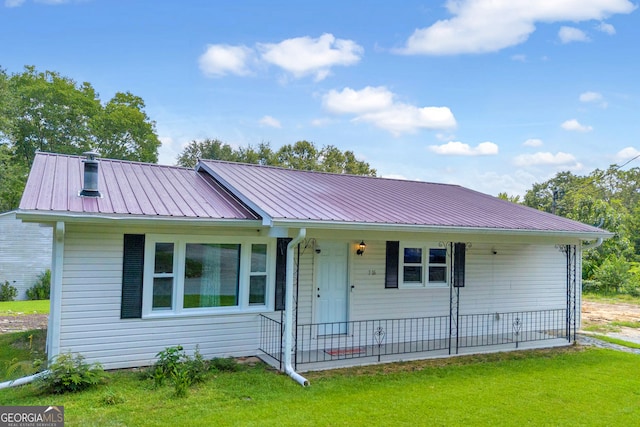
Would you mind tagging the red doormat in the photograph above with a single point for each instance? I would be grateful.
(345, 351)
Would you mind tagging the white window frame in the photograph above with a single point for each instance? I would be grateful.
(180, 243)
(425, 246)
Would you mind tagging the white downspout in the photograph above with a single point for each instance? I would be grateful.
(592, 245)
(288, 311)
(22, 381)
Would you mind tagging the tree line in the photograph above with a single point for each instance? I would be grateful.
(608, 199)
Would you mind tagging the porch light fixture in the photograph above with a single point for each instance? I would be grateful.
(361, 247)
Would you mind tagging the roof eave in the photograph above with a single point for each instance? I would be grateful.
(52, 216)
(342, 225)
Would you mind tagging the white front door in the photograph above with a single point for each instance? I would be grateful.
(331, 288)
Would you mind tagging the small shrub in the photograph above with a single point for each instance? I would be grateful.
(224, 364)
(70, 373)
(181, 380)
(168, 361)
(42, 288)
(8, 292)
(182, 370)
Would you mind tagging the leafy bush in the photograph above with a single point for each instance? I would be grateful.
(8, 292)
(70, 373)
(612, 274)
(175, 365)
(42, 288)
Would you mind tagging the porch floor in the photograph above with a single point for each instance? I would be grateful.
(332, 358)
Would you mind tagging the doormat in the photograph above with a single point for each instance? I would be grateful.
(345, 351)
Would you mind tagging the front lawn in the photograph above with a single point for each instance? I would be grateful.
(570, 386)
(18, 308)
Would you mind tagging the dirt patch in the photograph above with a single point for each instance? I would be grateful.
(599, 317)
(24, 322)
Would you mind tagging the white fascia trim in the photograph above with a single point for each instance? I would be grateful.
(363, 226)
(50, 217)
(267, 220)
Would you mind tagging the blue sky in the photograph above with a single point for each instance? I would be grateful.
(494, 95)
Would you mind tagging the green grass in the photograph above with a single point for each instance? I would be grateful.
(571, 386)
(18, 351)
(613, 298)
(617, 341)
(16, 308)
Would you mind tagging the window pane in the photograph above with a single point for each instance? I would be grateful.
(412, 274)
(413, 255)
(164, 258)
(438, 274)
(437, 256)
(211, 275)
(162, 293)
(258, 258)
(257, 290)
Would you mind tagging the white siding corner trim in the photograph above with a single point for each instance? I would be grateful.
(55, 303)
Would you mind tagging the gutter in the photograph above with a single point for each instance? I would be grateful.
(593, 244)
(288, 309)
(22, 381)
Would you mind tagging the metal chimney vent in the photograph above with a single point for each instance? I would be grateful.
(90, 187)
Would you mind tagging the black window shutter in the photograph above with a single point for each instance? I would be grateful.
(132, 275)
(281, 271)
(459, 250)
(391, 271)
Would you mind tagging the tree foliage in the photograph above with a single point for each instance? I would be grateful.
(49, 112)
(604, 198)
(303, 155)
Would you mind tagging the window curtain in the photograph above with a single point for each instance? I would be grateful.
(210, 286)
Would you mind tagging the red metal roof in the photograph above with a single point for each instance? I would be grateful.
(286, 194)
(128, 188)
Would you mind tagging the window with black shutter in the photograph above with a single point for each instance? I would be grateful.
(391, 269)
(281, 271)
(132, 276)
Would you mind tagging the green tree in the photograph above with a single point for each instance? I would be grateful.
(13, 176)
(302, 155)
(49, 112)
(210, 149)
(122, 130)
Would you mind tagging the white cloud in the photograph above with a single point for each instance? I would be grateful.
(572, 34)
(456, 148)
(270, 122)
(321, 122)
(533, 142)
(479, 26)
(377, 105)
(626, 154)
(606, 28)
(18, 3)
(590, 97)
(574, 125)
(519, 57)
(303, 56)
(220, 59)
(358, 101)
(546, 158)
(299, 56)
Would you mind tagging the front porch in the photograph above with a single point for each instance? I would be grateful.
(340, 344)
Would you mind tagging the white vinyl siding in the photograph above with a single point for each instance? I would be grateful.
(25, 252)
(91, 324)
(518, 277)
